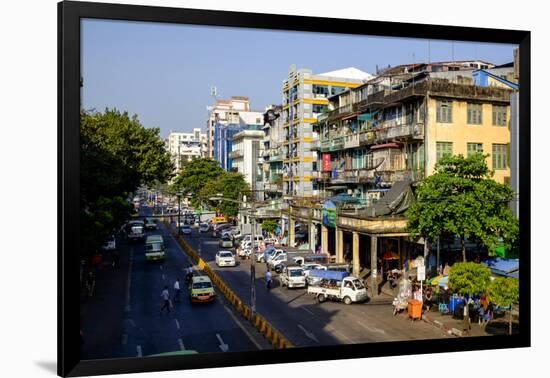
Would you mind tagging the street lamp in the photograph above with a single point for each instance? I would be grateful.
(179, 194)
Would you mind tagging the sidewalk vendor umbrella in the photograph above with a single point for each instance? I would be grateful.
(444, 281)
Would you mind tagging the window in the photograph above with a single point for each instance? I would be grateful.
(474, 148)
(443, 149)
(500, 156)
(474, 114)
(444, 111)
(499, 115)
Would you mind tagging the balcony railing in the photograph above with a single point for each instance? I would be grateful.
(236, 154)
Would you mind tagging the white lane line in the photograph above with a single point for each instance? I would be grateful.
(223, 346)
(163, 278)
(308, 311)
(131, 322)
(238, 322)
(180, 342)
(129, 281)
(332, 329)
(177, 324)
(139, 353)
(308, 334)
(371, 329)
(124, 339)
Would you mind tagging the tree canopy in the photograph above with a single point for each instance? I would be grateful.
(469, 278)
(117, 155)
(194, 176)
(462, 199)
(230, 185)
(269, 225)
(504, 291)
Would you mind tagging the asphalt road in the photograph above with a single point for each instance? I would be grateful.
(305, 322)
(126, 321)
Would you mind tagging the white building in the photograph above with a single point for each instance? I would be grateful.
(235, 111)
(186, 146)
(246, 154)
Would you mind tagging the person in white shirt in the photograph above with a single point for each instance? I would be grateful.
(165, 296)
(268, 280)
(177, 290)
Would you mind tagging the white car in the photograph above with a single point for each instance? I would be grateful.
(186, 229)
(204, 227)
(110, 244)
(225, 258)
(226, 242)
(270, 241)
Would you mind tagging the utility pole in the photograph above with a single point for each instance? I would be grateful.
(253, 263)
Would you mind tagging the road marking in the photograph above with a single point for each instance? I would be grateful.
(139, 353)
(124, 339)
(239, 324)
(180, 342)
(223, 346)
(163, 278)
(129, 281)
(177, 324)
(131, 322)
(308, 334)
(160, 267)
(371, 329)
(308, 311)
(331, 328)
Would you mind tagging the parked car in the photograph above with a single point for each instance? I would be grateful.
(204, 227)
(270, 241)
(292, 276)
(226, 242)
(186, 229)
(225, 258)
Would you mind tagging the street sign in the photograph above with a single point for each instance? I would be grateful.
(421, 273)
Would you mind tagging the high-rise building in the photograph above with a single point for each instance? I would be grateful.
(227, 118)
(247, 149)
(305, 97)
(186, 146)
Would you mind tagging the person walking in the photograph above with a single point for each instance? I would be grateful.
(165, 296)
(116, 260)
(177, 290)
(268, 280)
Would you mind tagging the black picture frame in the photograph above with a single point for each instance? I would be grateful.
(69, 16)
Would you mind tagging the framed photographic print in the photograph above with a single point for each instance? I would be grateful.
(240, 188)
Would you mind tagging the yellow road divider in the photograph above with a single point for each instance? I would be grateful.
(277, 340)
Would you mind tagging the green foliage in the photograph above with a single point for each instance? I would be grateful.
(117, 155)
(469, 278)
(230, 185)
(462, 199)
(269, 225)
(194, 176)
(504, 291)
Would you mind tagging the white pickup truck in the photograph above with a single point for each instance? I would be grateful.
(292, 276)
(348, 290)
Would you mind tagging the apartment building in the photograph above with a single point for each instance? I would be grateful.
(246, 155)
(376, 135)
(226, 118)
(186, 146)
(305, 97)
(274, 137)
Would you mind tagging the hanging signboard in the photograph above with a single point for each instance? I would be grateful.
(329, 214)
(420, 273)
(326, 162)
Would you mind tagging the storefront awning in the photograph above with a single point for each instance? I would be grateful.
(385, 145)
(349, 116)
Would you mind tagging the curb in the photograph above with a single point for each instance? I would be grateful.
(451, 331)
(277, 340)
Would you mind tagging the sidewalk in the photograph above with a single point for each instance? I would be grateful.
(451, 325)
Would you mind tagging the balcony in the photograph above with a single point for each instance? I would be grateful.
(351, 141)
(236, 154)
(413, 131)
(273, 187)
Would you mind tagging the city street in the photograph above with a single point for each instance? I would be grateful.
(302, 320)
(123, 319)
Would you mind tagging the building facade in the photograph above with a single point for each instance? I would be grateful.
(247, 152)
(186, 146)
(305, 97)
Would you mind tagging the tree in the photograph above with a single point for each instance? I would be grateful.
(469, 278)
(505, 292)
(461, 199)
(194, 176)
(269, 225)
(230, 185)
(117, 155)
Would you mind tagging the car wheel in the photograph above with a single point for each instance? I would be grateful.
(347, 300)
(321, 298)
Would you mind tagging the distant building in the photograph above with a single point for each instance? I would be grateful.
(305, 97)
(234, 111)
(225, 118)
(274, 138)
(186, 146)
(247, 149)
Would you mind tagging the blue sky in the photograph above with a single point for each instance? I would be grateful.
(163, 72)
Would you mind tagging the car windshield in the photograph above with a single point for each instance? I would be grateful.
(358, 284)
(202, 285)
(295, 272)
(226, 254)
(155, 247)
(186, 227)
